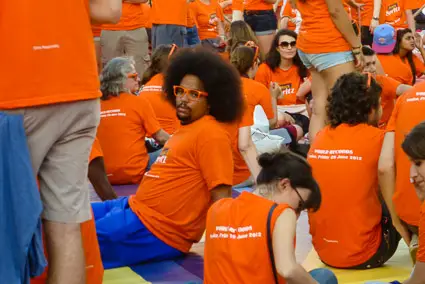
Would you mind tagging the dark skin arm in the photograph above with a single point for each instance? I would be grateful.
(221, 191)
(99, 180)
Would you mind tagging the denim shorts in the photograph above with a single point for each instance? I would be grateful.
(323, 61)
(192, 37)
(261, 22)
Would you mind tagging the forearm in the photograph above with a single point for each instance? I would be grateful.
(249, 155)
(387, 185)
(376, 8)
(105, 11)
(299, 275)
(135, 1)
(161, 137)
(284, 23)
(99, 180)
(411, 23)
(220, 28)
(273, 121)
(270, 1)
(225, 4)
(303, 90)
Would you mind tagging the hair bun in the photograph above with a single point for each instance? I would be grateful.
(266, 160)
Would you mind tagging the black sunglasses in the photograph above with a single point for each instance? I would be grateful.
(286, 44)
(301, 205)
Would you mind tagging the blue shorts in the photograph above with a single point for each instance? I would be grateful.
(192, 37)
(323, 61)
(261, 22)
(123, 238)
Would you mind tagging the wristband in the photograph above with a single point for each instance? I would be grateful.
(375, 18)
(357, 47)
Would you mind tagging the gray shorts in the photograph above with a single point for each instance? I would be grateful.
(60, 137)
(168, 34)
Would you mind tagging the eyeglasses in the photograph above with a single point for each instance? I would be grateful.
(302, 205)
(173, 49)
(180, 91)
(286, 44)
(134, 76)
(255, 47)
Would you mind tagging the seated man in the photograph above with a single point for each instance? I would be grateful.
(125, 121)
(391, 88)
(195, 168)
(352, 228)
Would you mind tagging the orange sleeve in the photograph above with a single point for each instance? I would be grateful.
(266, 101)
(237, 5)
(263, 76)
(393, 119)
(96, 150)
(247, 117)
(287, 12)
(411, 4)
(193, 8)
(421, 251)
(389, 87)
(149, 120)
(419, 65)
(216, 159)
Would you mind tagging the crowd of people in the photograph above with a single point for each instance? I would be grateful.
(163, 94)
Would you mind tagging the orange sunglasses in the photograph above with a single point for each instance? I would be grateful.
(180, 91)
(173, 49)
(255, 47)
(133, 75)
(369, 79)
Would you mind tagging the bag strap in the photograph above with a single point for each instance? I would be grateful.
(269, 241)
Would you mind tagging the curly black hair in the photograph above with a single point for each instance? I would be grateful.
(279, 165)
(273, 56)
(352, 100)
(219, 79)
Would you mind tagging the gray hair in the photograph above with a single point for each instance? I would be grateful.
(114, 76)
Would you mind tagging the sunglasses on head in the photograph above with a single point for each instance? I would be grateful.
(173, 49)
(180, 91)
(286, 44)
(255, 47)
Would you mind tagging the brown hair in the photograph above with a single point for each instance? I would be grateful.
(243, 59)
(414, 143)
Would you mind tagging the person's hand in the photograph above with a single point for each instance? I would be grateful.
(418, 41)
(373, 24)
(275, 90)
(358, 60)
(356, 5)
(402, 230)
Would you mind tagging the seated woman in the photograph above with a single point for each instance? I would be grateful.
(257, 230)
(125, 121)
(239, 34)
(284, 66)
(152, 91)
(353, 228)
(414, 147)
(397, 57)
(245, 59)
(208, 16)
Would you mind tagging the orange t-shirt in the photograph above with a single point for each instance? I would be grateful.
(238, 5)
(94, 266)
(388, 97)
(228, 10)
(366, 13)
(291, 13)
(236, 248)
(257, 5)
(146, 15)
(164, 111)
(125, 121)
(345, 164)
(317, 26)
(174, 196)
(399, 69)
(206, 18)
(57, 47)
(96, 150)
(97, 30)
(131, 18)
(190, 20)
(166, 12)
(420, 256)
(255, 94)
(408, 112)
(393, 12)
(289, 81)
